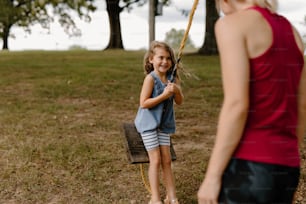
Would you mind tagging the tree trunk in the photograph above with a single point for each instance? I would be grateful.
(209, 46)
(6, 33)
(151, 21)
(113, 11)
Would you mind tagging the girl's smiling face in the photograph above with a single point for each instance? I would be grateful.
(161, 60)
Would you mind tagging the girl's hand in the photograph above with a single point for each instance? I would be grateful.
(172, 87)
(169, 89)
(175, 89)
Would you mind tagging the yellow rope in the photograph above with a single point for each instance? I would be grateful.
(195, 3)
(183, 41)
(144, 179)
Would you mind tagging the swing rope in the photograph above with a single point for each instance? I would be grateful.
(183, 41)
(180, 53)
(144, 179)
(173, 74)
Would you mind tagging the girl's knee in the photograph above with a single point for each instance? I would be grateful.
(155, 159)
(155, 162)
(166, 162)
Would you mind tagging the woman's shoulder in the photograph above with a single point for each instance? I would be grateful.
(238, 21)
(227, 25)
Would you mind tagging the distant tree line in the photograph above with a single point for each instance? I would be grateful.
(174, 38)
(24, 13)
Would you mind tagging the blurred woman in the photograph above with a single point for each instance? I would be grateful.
(261, 125)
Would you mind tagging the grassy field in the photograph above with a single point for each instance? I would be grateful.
(61, 116)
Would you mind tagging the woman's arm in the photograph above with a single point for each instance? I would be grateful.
(301, 126)
(232, 118)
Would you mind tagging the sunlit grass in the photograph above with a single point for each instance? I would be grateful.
(60, 122)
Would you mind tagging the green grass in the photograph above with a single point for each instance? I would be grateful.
(60, 126)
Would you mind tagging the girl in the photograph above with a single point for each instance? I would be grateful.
(262, 121)
(157, 95)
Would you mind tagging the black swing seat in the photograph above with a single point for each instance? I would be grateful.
(135, 149)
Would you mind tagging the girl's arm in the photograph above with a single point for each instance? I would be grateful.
(232, 118)
(145, 96)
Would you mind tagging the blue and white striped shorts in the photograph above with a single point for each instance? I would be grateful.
(155, 139)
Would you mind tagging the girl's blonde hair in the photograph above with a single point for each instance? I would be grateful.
(148, 67)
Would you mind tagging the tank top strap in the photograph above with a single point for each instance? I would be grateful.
(265, 12)
(157, 79)
(278, 25)
(153, 74)
(271, 18)
(158, 85)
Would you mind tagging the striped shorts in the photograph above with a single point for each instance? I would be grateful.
(155, 139)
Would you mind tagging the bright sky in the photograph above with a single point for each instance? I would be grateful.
(134, 25)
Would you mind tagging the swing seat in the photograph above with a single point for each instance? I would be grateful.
(135, 149)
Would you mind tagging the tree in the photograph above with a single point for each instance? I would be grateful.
(209, 46)
(174, 38)
(24, 13)
(114, 9)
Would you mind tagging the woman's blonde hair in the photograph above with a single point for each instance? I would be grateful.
(148, 67)
(269, 4)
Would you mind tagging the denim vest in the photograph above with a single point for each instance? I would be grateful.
(160, 117)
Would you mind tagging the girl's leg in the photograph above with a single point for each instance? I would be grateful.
(164, 141)
(150, 140)
(153, 173)
(167, 173)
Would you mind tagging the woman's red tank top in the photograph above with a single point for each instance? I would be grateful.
(270, 132)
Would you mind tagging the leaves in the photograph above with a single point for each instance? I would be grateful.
(25, 13)
(174, 37)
